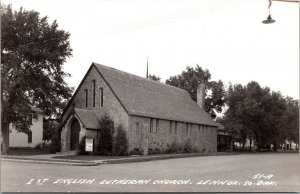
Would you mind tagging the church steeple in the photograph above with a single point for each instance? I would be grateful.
(147, 76)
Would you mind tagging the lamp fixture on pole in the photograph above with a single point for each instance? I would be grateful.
(269, 19)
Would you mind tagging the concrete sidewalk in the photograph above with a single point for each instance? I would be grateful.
(48, 158)
(162, 157)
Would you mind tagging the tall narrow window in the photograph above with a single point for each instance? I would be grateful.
(137, 128)
(151, 125)
(175, 131)
(101, 97)
(187, 129)
(94, 92)
(86, 98)
(30, 136)
(157, 125)
(170, 130)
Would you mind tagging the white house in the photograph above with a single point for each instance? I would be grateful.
(289, 145)
(19, 139)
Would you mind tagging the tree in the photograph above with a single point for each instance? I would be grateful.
(32, 52)
(105, 144)
(155, 78)
(232, 119)
(51, 133)
(50, 128)
(292, 119)
(190, 79)
(247, 112)
(259, 114)
(120, 142)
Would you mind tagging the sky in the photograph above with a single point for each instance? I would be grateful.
(227, 37)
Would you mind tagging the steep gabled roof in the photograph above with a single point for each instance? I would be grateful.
(144, 97)
(89, 118)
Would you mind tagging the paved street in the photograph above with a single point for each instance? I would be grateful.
(279, 172)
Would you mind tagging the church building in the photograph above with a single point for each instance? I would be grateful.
(153, 114)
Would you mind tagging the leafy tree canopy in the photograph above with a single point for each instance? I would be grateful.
(32, 54)
(190, 79)
(155, 78)
(257, 113)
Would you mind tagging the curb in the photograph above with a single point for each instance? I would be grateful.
(45, 161)
(109, 161)
(163, 157)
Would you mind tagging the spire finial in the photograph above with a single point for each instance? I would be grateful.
(147, 76)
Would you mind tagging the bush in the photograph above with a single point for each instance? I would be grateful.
(136, 151)
(154, 151)
(55, 145)
(105, 143)
(120, 142)
(175, 147)
(188, 146)
(51, 134)
(38, 146)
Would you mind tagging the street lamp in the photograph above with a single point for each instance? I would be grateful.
(269, 19)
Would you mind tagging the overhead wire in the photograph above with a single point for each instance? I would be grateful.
(179, 15)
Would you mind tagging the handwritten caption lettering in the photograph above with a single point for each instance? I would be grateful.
(257, 180)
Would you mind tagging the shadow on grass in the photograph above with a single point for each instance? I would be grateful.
(28, 151)
(88, 157)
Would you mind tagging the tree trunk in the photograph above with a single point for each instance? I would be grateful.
(256, 142)
(243, 147)
(5, 139)
(275, 147)
(231, 144)
(250, 145)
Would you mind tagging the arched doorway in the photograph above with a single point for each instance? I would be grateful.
(75, 129)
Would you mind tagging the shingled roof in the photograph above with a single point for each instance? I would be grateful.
(89, 118)
(144, 97)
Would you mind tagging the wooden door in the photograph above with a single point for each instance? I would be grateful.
(75, 129)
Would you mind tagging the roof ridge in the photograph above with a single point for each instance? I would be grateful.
(144, 97)
(140, 77)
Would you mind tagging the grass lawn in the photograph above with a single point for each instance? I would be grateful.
(28, 151)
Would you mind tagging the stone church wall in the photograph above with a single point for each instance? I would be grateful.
(111, 105)
(160, 139)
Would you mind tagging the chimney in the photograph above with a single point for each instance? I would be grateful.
(201, 95)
